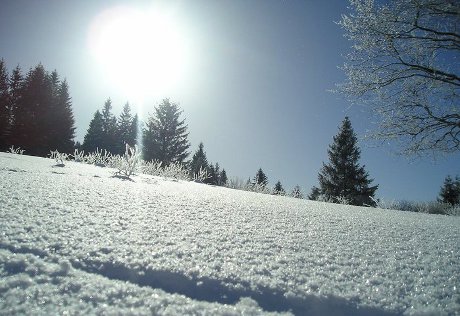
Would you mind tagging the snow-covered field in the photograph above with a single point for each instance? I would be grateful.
(75, 240)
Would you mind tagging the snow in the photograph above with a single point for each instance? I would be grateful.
(76, 240)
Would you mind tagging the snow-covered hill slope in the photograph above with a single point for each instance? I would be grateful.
(76, 240)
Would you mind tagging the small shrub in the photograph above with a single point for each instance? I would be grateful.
(235, 183)
(432, 207)
(201, 176)
(16, 151)
(174, 170)
(258, 188)
(152, 168)
(128, 163)
(59, 157)
(101, 158)
(78, 156)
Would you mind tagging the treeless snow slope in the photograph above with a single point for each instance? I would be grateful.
(77, 240)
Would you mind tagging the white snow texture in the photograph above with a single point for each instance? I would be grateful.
(75, 240)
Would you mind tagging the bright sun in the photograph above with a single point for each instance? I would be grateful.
(142, 51)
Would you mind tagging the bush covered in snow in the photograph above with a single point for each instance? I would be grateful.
(17, 151)
(128, 163)
(431, 207)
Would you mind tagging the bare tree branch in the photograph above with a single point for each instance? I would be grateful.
(405, 65)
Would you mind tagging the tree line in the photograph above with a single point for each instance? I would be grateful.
(164, 138)
(35, 111)
(36, 115)
(107, 132)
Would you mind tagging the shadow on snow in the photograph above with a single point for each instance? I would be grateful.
(212, 290)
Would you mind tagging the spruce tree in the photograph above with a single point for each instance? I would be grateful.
(31, 128)
(134, 131)
(127, 129)
(217, 173)
(165, 135)
(199, 161)
(278, 189)
(63, 120)
(260, 178)
(40, 112)
(53, 79)
(343, 177)
(109, 128)
(5, 113)
(95, 134)
(315, 194)
(212, 179)
(223, 178)
(16, 86)
(450, 191)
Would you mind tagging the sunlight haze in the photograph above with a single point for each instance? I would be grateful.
(252, 78)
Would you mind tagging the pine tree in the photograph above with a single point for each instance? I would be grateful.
(314, 194)
(199, 161)
(60, 129)
(95, 134)
(278, 189)
(16, 85)
(212, 179)
(134, 132)
(260, 178)
(217, 173)
(109, 128)
(31, 128)
(63, 120)
(40, 112)
(127, 129)
(5, 113)
(297, 193)
(343, 177)
(450, 191)
(223, 178)
(165, 136)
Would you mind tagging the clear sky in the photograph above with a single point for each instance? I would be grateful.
(251, 76)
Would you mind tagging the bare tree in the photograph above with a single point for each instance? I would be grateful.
(405, 63)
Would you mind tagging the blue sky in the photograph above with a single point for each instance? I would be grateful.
(255, 88)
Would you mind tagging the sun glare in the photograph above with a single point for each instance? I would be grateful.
(142, 51)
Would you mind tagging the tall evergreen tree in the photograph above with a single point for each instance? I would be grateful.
(127, 129)
(217, 173)
(135, 130)
(260, 178)
(95, 134)
(63, 126)
(109, 128)
(39, 112)
(223, 178)
(450, 191)
(199, 161)
(31, 128)
(278, 189)
(165, 135)
(16, 85)
(343, 177)
(212, 179)
(314, 194)
(5, 113)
